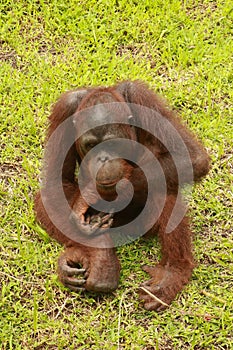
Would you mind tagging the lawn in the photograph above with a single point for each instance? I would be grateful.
(183, 50)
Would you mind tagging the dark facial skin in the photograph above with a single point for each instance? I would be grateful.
(104, 164)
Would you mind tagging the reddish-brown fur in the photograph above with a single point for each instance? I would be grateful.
(99, 268)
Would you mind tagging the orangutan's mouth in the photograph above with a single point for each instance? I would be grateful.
(107, 184)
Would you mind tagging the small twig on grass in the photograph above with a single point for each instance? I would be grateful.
(210, 295)
(61, 309)
(153, 296)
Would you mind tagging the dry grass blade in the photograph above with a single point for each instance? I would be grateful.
(153, 296)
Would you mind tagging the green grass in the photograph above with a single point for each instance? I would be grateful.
(183, 49)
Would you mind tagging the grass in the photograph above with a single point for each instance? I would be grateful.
(183, 49)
